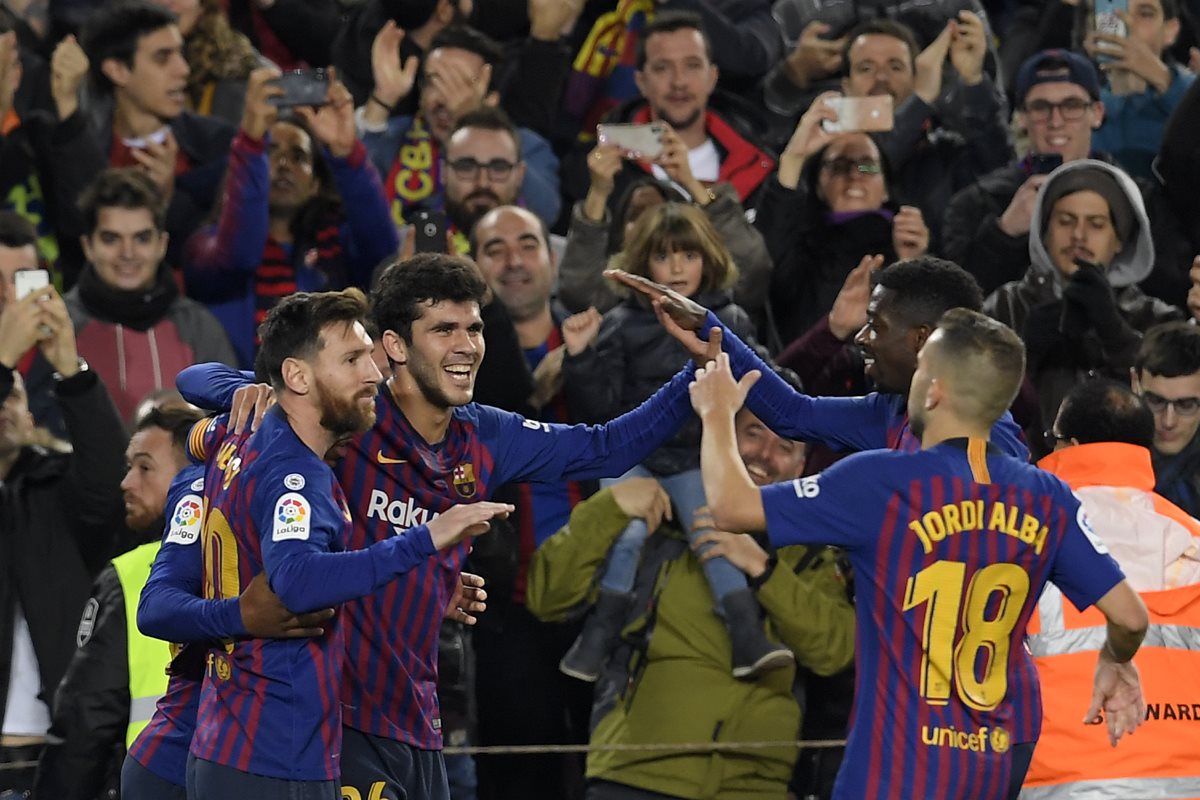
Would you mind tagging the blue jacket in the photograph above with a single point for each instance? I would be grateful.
(1133, 123)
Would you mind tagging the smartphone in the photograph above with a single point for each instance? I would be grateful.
(1044, 163)
(867, 114)
(302, 87)
(429, 228)
(1105, 20)
(30, 280)
(637, 141)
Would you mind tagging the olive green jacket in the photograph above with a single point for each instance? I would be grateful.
(682, 691)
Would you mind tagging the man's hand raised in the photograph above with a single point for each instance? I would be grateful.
(679, 315)
(265, 616)
(462, 521)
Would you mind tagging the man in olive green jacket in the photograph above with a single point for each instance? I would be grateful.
(667, 680)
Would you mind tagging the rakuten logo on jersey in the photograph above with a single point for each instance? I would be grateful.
(403, 514)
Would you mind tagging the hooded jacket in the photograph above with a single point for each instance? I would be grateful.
(1043, 283)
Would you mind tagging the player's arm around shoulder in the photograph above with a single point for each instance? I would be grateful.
(807, 603)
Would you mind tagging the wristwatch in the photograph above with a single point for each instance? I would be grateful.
(82, 367)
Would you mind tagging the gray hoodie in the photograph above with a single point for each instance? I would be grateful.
(1043, 284)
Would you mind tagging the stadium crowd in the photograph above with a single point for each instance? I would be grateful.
(827, 178)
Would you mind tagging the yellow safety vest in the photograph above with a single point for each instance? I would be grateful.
(1160, 759)
(148, 658)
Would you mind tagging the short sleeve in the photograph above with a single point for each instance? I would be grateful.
(1083, 568)
(836, 507)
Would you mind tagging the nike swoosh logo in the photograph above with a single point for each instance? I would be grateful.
(382, 459)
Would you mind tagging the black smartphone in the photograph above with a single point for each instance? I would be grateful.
(1045, 163)
(302, 87)
(429, 228)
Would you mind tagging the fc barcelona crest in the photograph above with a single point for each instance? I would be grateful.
(464, 480)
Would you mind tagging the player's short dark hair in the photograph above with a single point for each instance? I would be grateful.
(1105, 411)
(176, 419)
(113, 31)
(122, 187)
(406, 286)
(1169, 350)
(669, 22)
(881, 27)
(490, 118)
(16, 231)
(293, 328)
(925, 288)
(987, 359)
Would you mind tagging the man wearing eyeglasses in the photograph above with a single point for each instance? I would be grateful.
(457, 78)
(1166, 374)
(986, 226)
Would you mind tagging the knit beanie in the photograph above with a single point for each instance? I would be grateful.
(1102, 183)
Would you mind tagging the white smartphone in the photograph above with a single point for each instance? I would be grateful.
(637, 141)
(30, 280)
(873, 113)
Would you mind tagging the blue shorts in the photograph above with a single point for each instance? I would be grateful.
(385, 769)
(139, 783)
(209, 781)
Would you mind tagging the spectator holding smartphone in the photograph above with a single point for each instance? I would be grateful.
(1078, 307)
(1144, 83)
(303, 211)
(829, 205)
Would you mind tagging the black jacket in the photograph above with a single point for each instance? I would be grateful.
(91, 706)
(631, 358)
(58, 515)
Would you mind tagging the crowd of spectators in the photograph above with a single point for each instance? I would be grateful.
(150, 162)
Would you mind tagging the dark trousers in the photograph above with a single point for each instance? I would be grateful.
(18, 782)
(139, 783)
(1022, 754)
(209, 781)
(607, 790)
(385, 769)
(523, 699)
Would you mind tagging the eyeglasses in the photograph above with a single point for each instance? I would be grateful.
(1184, 406)
(842, 167)
(467, 169)
(1071, 109)
(1052, 439)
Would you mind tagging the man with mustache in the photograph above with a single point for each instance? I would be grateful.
(1078, 307)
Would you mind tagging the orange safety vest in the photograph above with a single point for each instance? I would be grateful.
(1162, 757)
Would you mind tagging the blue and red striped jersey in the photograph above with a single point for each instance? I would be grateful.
(951, 547)
(394, 479)
(872, 422)
(162, 746)
(270, 706)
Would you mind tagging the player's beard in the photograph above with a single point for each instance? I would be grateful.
(916, 420)
(341, 416)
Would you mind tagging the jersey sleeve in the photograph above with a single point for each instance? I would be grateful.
(300, 519)
(1082, 567)
(171, 606)
(528, 450)
(831, 508)
(211, 385)
(842, 423)
(205, 436)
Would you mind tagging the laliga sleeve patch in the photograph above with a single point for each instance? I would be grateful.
(293, 518)
(185, 521)
(294, 481)
(1086, 526)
